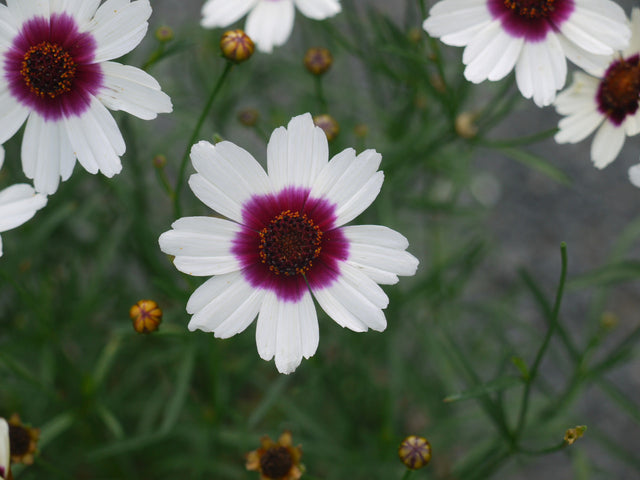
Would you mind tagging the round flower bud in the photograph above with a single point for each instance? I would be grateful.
(415, 452)
(466, 126)
(248, 117)
(236, 46)
(361, 130)
(328, 124)
(146, 315)
(159, 161)
(23, 441)
(164, 34)
(318, 60)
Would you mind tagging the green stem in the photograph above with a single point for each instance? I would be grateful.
(320, 94)
(194, 136)
(407, 474)
(533, 372)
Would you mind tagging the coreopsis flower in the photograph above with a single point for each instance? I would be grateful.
(285, 238)
(607, 102)
(5, 452)
(55, 74)
(276, 461)
(23, 440)
(533, 36)
(18, 203)
(270, 22)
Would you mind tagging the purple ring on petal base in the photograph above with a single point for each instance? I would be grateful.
(534, 24)
(48, 67)
(322, 270)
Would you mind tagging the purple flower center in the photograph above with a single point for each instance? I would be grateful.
(289, 242)
(49, 67)
(531, 19)
(619, 91)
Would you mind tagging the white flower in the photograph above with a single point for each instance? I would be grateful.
(608, 103)
(5, 452)
(55, 75)
(270, 22)
(534, 36)
(285, 240)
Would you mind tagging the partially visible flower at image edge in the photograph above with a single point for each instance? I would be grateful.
(532, 36)
(607, 102)
(18, 203)
(269, 22)
(285, 240)
(23, 440)
(55, 74)
(5, 458)
(276, 460)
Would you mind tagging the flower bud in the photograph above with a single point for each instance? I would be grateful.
(318, 60)
(248, 117)
(361, 130)
(236, 46)
(328, 124)
(466, 126)
(164, 34)
(23, 441)
(572, 434)
(415, 452)
(146, 316)
(159, 161)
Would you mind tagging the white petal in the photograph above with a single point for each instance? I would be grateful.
(13, 115)
(221, 13)
(227, 177)
(132, 90)
(579, 97)
(575, 128)
(456, 22)
(606, 145)
(541, 70)
(270, 24)
(202, 245)
(1, 156)
(491, 55)
(353, 300)
(634, 43)
(118, 27)
(592, 63)
(5, 450)
(8, 27)
(18, 203)
(296, 155)
(40, 153)
(632, 124)
(597, 26)
(24, 10)
(81, 10)
(96, 140)
(318, 9)
(351, 183)
(228, 305)
(634, 175)
(287, 330)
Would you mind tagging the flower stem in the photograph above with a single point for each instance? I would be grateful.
(407, 474)
(543, 348)
(194, 136)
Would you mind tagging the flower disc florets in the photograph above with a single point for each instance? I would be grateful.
(290, 243)
(47, 69)
(619, 91)
(530, 8)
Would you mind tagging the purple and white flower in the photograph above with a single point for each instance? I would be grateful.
(270, 22)
(55, 74)
(285, 239)
(533, 36)
(607, 102)
(5, 452)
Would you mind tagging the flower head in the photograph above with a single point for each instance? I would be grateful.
(56, 75)
(18, 203)
(279, 460)
(23, 440)
(270, 22)
(415, 452)
(145, 315)
(285, 240)
(532, 36)
(607, 102)
(5, 450)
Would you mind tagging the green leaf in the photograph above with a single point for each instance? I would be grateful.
(536, 163)
(497, 385)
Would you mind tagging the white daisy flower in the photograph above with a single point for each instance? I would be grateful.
(285, 239)
(270, 22)
(5, 452)
(55, 75)
(534, 36)
(608, 103)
